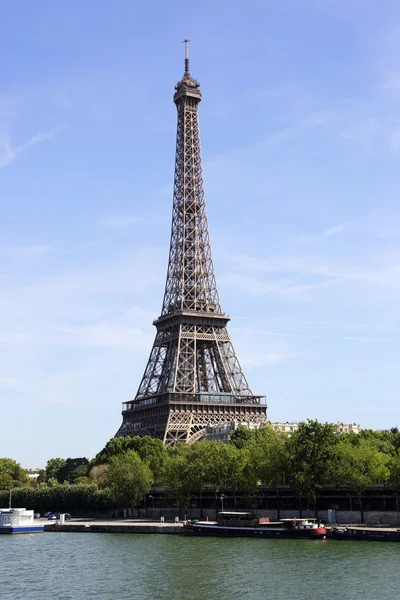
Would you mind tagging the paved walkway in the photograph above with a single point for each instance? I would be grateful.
(115, 526)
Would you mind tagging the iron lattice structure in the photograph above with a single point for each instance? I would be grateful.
(193, 378)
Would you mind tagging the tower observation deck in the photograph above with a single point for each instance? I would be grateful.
(193, 377)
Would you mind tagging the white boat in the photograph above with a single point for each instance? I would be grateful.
(19, 520)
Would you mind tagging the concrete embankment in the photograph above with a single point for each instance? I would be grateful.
(126, 526)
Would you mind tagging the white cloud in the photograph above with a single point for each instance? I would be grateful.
(327, 233)
(9, 154)
(334, 230)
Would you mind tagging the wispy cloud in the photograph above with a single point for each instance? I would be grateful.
(374, 274)
(327, 233)
(334, 230)
(9, 154)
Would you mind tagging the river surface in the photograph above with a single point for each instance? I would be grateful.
(72, 566)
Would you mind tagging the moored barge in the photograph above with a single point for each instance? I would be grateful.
(249, 524)
(368, 534)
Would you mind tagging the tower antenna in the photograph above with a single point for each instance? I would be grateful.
(186, 56)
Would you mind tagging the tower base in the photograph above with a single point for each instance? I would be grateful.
(179, 421)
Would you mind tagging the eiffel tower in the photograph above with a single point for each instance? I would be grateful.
(193, 378)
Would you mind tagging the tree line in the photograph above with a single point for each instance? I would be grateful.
(127, 468)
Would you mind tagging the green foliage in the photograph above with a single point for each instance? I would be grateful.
(242, 436)
(69, 469)
(73, 468)
(41, 478)
(75, 499)
(129, 478)
(6, 482)
(78, 473)
(53, 467)
(361, 464)
(82, 480)
(10, 467)
(124, 471)
(174, 474)
(98, 475)
(150, 450)
(311, 454)
(395, 474)
(387, 442)
(269, 456)
(204, 466)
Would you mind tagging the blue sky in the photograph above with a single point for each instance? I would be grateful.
(300, 124)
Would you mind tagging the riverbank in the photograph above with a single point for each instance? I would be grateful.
(114, 526)
(140, 526)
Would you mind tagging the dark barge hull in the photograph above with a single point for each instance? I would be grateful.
(367, 535)
(253, 532)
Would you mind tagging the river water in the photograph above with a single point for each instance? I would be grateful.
(72, 566)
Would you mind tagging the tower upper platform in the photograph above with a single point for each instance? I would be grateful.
(187, 86)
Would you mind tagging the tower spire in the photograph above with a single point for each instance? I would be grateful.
(193, 378)
(187, 72)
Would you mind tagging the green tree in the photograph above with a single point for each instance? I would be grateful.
(269, 456)
(395, 479)
(75, 499)
(311, 458)
(387, 441)
(98, 475)
(72, 469)
(53, 467)
(6, 482)
(10, 467)
(207, 465)
(151, 450)
(175, 477)
(360, 465)
(129, 479)
(242, 436)
(41, 477)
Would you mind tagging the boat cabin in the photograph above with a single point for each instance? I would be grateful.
(300, 523)
(15, 516)
(240, 519)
